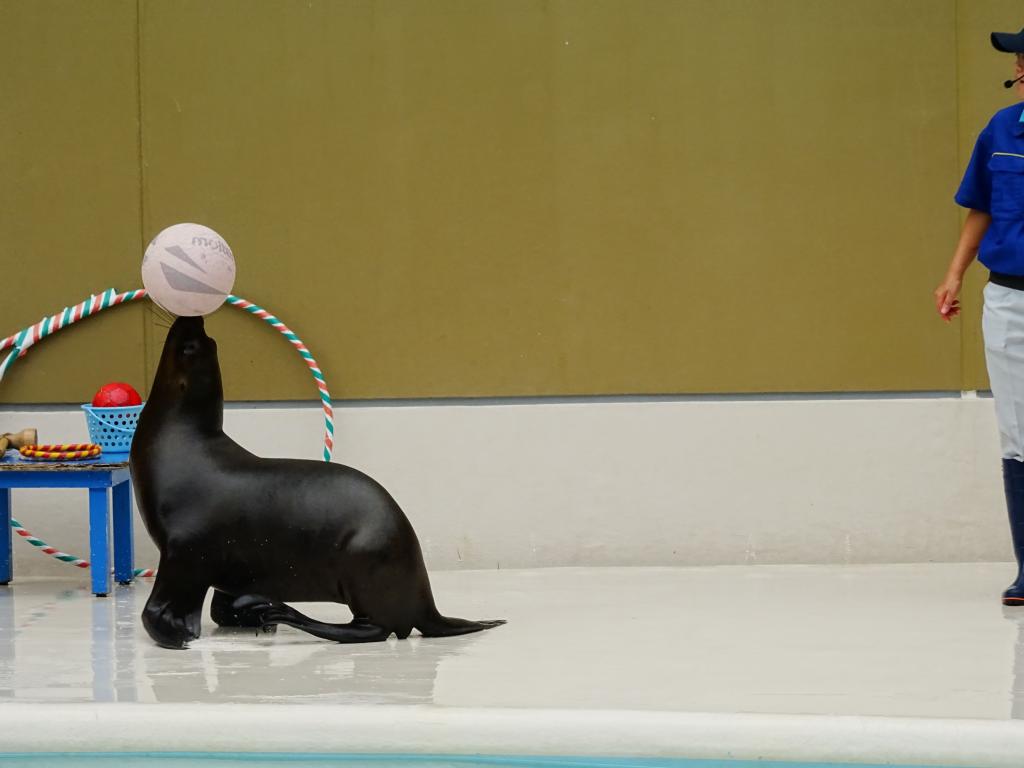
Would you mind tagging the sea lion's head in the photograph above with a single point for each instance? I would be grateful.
(189, 371)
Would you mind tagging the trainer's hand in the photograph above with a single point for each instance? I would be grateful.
(946, 302)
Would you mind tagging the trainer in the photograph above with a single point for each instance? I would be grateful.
(993, 192)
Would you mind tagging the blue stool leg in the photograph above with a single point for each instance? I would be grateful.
(124, 542)
(99, 540)
(6, 556)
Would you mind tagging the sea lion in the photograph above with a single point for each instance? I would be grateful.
(264, 531)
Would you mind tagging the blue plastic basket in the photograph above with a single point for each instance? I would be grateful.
(112, 429)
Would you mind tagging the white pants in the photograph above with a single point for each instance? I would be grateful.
(1002, 323)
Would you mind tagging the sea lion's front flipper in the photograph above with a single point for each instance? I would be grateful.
(173, 613)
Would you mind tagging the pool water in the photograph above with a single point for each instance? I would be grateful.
(226, 760)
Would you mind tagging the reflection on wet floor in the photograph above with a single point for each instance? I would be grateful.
(61, 625)
(917, 641)
(1015, 616)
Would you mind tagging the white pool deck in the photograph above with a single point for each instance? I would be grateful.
(910, 664)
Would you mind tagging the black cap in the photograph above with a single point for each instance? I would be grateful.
(1008, 42)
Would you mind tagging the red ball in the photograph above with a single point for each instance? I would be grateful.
(117, 394)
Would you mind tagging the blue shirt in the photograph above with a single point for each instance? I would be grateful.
(994, 183)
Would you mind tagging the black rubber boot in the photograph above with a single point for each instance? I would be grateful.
(1013, 483)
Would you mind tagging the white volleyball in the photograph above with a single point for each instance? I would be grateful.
(188, 269)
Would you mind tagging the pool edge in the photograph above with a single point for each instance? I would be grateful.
(460, 731)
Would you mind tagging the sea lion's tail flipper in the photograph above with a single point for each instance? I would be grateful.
(437, 625)
(360, 630)
(271, 612)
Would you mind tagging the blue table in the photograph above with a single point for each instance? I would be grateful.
(98, 475)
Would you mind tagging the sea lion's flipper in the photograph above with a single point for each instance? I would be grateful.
(443, 626)
(223, 613)
(271, 612)
(173, 612)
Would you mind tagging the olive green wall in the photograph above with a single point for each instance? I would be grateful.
(69, 190)
(456, 198)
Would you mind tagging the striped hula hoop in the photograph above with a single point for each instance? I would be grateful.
(19, 343)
